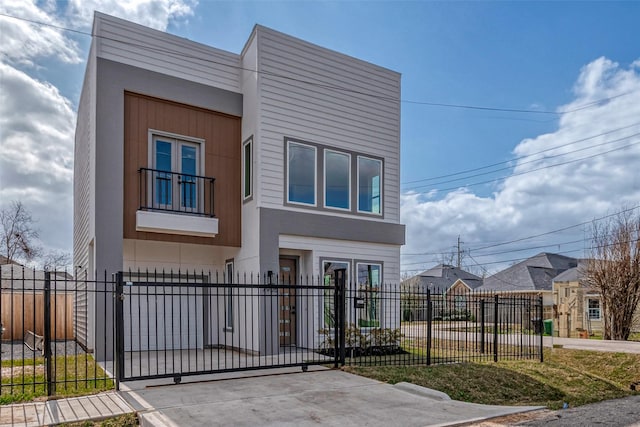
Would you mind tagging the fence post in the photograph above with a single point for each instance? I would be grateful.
(482, 328)
(47, 332)
(541, 311)
(340, 310)
(119, 344)
(495, 328)
(429, 325)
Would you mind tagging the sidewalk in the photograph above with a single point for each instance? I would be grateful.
(52, 412)
(594, 345)
(272, 398)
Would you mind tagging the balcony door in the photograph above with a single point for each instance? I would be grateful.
(176, 164)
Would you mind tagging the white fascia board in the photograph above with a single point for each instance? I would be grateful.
(186, 225)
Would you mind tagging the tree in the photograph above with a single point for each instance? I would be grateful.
(17, 233)
(56, 260)
(614, 270)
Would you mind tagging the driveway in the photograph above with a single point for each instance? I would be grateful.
(288, 397)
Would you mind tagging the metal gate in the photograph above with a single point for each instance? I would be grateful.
(170, 326)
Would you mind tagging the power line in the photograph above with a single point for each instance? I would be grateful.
(520, 157)
(527, 162)
(530, 171)
(322, 85)
(546, 233)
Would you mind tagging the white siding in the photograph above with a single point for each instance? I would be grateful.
(83, 177)
(314, 94)
(389, 255)
(139, 46)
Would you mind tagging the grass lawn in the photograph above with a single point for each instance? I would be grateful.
(127, 420)
(573, 376)
(24, 380)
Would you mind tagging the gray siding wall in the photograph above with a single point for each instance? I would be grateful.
(348, 104)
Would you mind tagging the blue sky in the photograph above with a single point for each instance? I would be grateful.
(541, 56)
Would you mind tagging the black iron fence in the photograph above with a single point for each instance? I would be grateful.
(72, 334)
(176, 192)
(51, 332)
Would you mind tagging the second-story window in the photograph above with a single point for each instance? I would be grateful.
(337, 180)
(369, 185)
(301, 173)
(176, 168)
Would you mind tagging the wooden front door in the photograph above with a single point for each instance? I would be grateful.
(287, 302)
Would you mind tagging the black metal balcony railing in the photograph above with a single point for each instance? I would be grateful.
(176, 192)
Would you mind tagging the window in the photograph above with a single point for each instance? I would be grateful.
(337, 180)
(175, 176)
(594, 309)
(228, 296)
(329, 268)
(247, 166)
(301, 173)
(369, 185)
(369, 279)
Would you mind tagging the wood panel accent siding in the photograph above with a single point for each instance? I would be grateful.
(223, 147)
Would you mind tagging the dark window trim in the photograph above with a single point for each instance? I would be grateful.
(246, 199)
(320, 180)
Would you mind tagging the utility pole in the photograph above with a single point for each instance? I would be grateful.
(459, 252)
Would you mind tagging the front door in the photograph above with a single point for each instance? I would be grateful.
(287, 302)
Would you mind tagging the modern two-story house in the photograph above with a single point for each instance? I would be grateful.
(283, 158)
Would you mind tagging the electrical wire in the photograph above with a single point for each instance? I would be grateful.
(181, 54)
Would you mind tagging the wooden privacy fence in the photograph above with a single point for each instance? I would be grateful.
(23, 311)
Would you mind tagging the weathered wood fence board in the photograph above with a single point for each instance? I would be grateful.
(23, 311)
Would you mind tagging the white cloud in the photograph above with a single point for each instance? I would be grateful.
(531, 202)
(37, 121)
(151, 13)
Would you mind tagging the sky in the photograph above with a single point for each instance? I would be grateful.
(520, 121)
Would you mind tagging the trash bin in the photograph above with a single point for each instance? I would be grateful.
(548, 327)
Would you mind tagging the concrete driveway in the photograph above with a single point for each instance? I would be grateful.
(288, 397)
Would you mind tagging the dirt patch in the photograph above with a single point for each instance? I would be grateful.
(19, 371)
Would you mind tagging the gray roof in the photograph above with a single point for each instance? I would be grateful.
(574, 274)
(533, 274)
(17, 277)
(441, 277)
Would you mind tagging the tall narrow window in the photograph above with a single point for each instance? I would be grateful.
(369, 279)
(369, 185)
(247, 165)
(228, 322)
(329, 268)
(301, 173)
(337, 180)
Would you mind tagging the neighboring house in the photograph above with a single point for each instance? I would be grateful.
(284, 158)
(448, 286)
(441, 278)
(578, 309)
(533, 276)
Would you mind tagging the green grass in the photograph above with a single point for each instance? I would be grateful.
(127, 420)
(573, 376)
(83, 376)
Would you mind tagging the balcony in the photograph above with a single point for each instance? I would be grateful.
(176, 203)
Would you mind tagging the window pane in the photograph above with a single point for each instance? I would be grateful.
(329, 268)
(162, 182)
(188, 184)
(337, 180)
(369, 184)
(247, 170)
(369, 278)
(302, 174)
